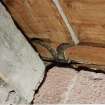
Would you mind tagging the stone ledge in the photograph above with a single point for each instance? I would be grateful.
(65, 85)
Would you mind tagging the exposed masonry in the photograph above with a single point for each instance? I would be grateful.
(76, 41)
(69, 89)
(18, 58)
(70, 29)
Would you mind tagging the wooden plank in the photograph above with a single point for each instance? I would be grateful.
(88, 19)
(39, 19)
(87, 55)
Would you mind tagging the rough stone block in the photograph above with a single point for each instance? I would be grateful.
(20, 65)
(89, 89)
(55, 86)
(66, 86)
